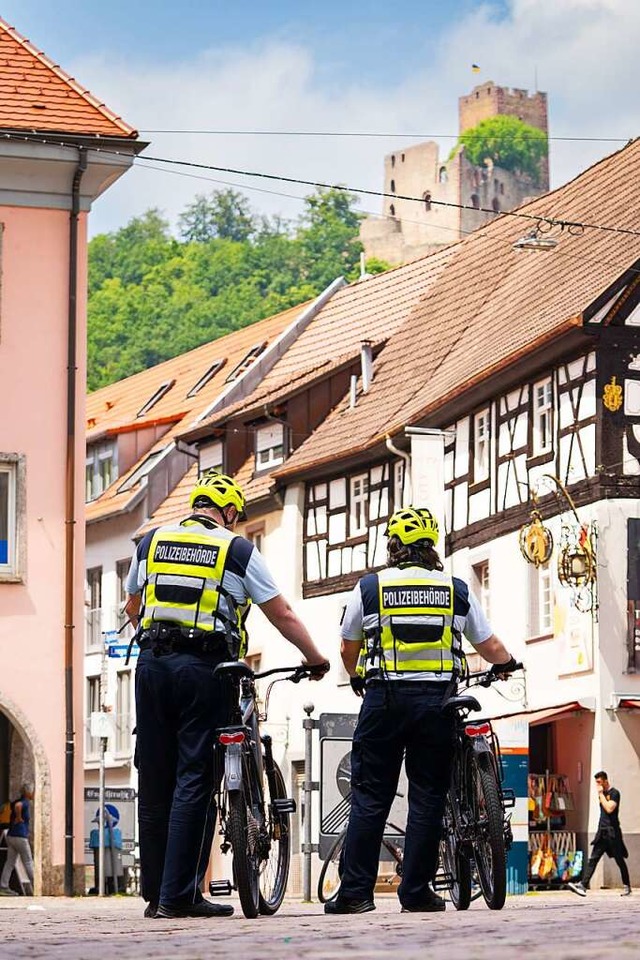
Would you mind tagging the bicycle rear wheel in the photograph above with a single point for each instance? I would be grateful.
(455, 862)
(243, 834)
(489, 847)
(329, 879)
(275, 847)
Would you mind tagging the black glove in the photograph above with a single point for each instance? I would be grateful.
(318, 670)
(358, 686)
(498, 669)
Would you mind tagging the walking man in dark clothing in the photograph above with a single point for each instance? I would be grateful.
(608, 838)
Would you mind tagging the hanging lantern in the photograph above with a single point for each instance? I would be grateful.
(576, 560)
(536, 540)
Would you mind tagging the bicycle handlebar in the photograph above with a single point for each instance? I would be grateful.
(486, 677)
(298, 673)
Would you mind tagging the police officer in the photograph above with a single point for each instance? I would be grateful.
(189, 589)
(401, 644)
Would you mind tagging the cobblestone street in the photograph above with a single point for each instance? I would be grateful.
(557, 925)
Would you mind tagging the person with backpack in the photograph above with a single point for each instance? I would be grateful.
(17, 840)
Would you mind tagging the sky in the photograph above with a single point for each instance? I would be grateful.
(286, 69)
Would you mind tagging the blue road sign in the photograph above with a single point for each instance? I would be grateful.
(120, 650)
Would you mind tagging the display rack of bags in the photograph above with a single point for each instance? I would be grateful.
(553, 856)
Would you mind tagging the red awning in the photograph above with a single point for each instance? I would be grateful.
(627, 703)
(559, 712)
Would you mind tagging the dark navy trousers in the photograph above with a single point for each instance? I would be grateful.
(398, 719)
(179, 706)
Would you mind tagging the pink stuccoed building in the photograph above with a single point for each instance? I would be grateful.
(60, 148)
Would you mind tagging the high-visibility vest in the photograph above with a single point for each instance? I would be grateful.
(183, 586)
(408, 624)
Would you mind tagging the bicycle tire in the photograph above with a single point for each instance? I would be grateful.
(329, 879)
(243, 836)
(454, 861)
(489, 847)
(273, 882)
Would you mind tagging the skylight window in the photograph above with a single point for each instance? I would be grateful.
(158, 395)
(206, 377)
(246, 361)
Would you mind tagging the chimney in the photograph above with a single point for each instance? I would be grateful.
(366, 362)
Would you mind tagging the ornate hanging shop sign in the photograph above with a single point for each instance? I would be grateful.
(577, 563)
(536, 540)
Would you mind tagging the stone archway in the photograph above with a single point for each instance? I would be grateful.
(29, 761)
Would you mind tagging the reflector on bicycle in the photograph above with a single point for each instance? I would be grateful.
(227, 738)
(478, 729)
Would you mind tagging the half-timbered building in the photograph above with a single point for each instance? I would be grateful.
(505, 395)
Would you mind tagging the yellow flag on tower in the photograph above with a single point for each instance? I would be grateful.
(475, 68)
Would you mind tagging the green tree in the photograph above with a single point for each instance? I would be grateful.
(224, 213)
(508, 142)
(328, 236)
(152, 297)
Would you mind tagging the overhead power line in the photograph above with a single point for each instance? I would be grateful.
(322, 185)
(537, 218)
(376, 134)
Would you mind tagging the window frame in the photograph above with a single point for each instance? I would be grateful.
(274, 458)
(14, 466)
(93, 613)
(481, 571)
(538, 448)
(355, 528)
(92, 699)
(96, 455)
(481, 470)
(124, 717)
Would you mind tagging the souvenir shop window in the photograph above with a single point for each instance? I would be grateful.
(553, 855)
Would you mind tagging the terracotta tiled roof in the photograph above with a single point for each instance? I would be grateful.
(489, 306)
(112, 410)
(371, 309)
(36, 94)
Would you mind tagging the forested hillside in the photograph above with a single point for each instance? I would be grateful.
(152, 297)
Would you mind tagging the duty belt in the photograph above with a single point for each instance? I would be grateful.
(165, 638)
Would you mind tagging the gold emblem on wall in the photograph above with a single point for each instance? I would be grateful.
(612, 395)
(536, 541)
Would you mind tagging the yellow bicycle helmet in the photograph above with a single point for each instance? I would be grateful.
(412, 525)
(221, 490)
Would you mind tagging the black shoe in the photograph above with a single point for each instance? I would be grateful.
(432, 903)
(340, 905)
(204, 908)
(150, 910)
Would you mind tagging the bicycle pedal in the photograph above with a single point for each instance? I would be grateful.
(220, 888)
(284, 805)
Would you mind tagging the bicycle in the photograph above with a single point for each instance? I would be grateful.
(252, 800)
(476, 829)
(329, 879)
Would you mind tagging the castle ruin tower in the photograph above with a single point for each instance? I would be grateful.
(413, 222)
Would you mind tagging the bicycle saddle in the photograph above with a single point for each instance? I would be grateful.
(458, 703)
(234, 668)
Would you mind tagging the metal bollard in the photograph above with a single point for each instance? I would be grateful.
(308, 848)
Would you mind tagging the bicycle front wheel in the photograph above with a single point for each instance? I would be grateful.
(489, 847)
(275, 842)
(243, 833)
(329, 880)
(455, 862)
